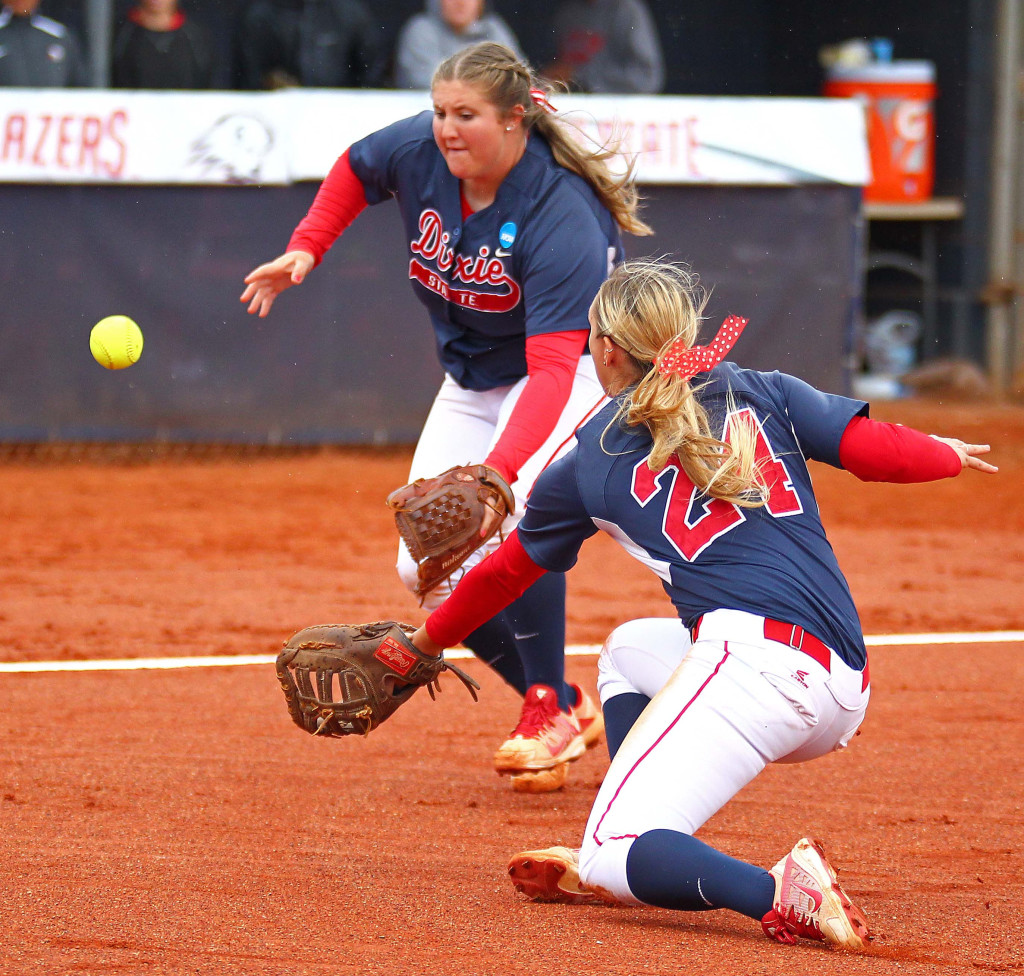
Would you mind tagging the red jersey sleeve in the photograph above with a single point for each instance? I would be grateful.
(551, 361)
(875, 451)
(338, 202)
(485, 590)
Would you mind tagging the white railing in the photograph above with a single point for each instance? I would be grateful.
(133, 137)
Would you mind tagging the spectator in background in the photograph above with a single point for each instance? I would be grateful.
(158, 46)
(443, 29)
(307, 43)
(607, 46)
(36, 52)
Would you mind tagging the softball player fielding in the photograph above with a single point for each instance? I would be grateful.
(512, 226)
(707, 485)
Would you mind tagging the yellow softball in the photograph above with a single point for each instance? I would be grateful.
(116, 342)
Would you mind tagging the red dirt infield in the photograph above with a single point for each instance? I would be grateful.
(175, 821)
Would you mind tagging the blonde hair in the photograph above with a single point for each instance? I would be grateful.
(644, 306)
(505, 82)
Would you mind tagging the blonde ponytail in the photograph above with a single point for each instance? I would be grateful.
(645, 306)
(618, 193)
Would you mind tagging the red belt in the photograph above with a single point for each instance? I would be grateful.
(796, 637)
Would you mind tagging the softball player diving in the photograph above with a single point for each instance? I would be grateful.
(706, 483)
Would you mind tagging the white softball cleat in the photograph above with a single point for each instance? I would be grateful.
(811, 904)
(591, 723)
(552, 874)
(545, 736)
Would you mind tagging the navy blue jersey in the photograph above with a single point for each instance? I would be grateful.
(774, 561)
(528, 264)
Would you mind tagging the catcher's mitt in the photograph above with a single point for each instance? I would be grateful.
(377, 669)
(440, 519)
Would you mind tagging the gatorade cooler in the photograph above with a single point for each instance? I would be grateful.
(898, 97)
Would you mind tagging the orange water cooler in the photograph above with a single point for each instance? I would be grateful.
(898, 97)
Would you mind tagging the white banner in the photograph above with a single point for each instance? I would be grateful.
(132, 137)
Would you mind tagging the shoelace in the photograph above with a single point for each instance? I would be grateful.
(776, 927)
(797, 919)
(537, 714)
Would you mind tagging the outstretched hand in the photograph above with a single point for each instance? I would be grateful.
(266, 282)
(968, 454)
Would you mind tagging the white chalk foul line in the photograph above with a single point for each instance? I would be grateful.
(983, 637)
(136, 664)
(575, 650)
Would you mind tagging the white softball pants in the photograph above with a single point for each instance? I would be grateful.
(722, 708)
(463, 426)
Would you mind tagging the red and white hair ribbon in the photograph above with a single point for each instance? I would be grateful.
(687, 361)
(540, 99)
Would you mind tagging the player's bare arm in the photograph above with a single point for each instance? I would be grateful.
(424, 644)
(265, 283)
